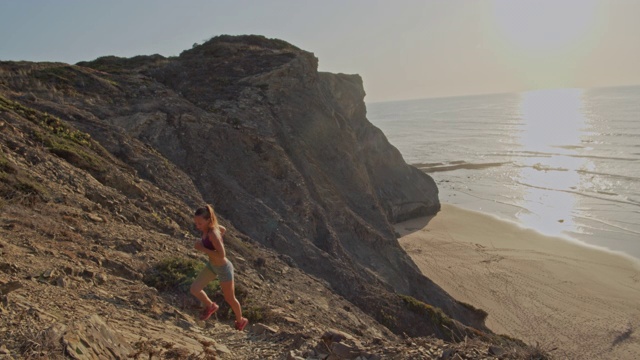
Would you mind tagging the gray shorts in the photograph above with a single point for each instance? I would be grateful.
(224, 272)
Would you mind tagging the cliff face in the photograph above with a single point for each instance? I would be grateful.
(284, 153)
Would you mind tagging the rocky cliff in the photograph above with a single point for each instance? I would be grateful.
(284, 153)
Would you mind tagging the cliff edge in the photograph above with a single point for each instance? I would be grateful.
(285, 154)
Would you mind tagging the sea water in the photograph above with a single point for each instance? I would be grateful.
(565, 162)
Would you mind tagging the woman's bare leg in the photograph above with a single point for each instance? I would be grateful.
(197, 288)
(229, 292)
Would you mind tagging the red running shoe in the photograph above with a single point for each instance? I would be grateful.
(209, 311)
(240, 325)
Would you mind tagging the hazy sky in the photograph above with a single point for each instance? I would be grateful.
(402, 49)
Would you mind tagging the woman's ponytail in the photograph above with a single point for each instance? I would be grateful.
(213, 220)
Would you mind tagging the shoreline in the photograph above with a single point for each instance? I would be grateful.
(601, 233)
(562, 237)
(548, 290)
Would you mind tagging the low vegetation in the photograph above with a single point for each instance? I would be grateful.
(177, 274)
(436, 315)
(75, 146)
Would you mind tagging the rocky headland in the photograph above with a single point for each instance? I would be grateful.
(103, 162)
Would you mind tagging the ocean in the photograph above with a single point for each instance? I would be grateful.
(565, 162)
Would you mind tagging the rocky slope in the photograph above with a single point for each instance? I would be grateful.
(103, 162)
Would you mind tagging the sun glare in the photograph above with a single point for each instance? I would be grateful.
(553, 119)
(553, 123)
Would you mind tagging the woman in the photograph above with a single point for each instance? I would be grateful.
(217, 266)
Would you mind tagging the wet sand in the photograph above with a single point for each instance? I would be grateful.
(583, 301)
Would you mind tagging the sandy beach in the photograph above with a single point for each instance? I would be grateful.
(583, 301)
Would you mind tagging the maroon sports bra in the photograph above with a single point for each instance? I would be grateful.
(207, 243)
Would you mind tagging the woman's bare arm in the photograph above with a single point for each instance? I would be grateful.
(200, 247)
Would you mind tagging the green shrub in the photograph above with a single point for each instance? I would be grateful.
(177, 273)
(256, 313)
(436, 315)
(473, 308)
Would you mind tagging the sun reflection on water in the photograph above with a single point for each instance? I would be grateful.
(553, 122)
